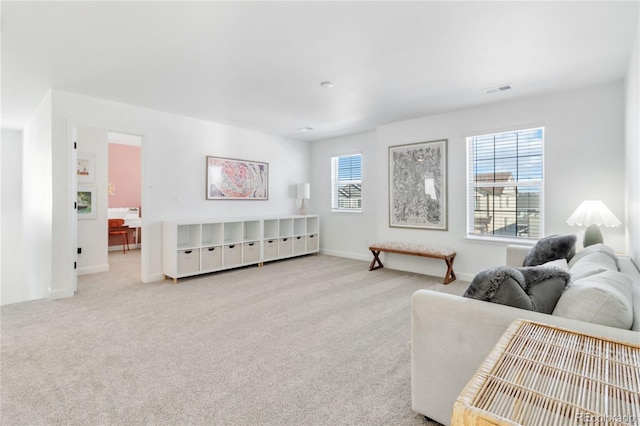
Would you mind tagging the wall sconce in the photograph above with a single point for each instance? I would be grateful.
(111, 190)
(304, 193)
(593, 214)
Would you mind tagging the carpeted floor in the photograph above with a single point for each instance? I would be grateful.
(316, 340)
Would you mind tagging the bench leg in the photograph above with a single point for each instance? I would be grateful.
(376, 260)
(450, 276)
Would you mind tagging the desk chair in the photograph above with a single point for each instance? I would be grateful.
(116, 227)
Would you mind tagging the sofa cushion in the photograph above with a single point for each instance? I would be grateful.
(605, 298)
(532, 288)
(551, 248)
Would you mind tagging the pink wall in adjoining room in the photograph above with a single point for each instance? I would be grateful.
(124, 174)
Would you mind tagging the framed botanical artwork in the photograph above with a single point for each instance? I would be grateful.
(231, 179)
(418, 185)
(85, 167)
(86, 199)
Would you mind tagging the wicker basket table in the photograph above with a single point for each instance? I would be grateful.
(543, 375)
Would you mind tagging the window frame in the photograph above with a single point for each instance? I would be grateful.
(472, 184)
(335, 208)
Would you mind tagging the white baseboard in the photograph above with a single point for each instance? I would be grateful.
(93, 269)
(154, 277)
(348, 255)
(459, 275)
(132, 246)
(59, 294)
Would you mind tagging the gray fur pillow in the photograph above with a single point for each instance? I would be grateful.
(532, 288)
(502, 284)
(545, 285)
(550, 248)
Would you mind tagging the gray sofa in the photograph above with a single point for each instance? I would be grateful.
(452, 335)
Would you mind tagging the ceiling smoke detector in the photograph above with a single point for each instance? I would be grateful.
(497, 89)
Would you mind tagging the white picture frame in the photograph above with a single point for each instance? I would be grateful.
(85, 167)
(418, 185)
(87, 207)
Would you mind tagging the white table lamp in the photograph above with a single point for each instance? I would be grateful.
(593, 214)
(304, 193)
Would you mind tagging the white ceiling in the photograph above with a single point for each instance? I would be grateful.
(259, 65)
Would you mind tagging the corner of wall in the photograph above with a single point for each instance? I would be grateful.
(632, 152)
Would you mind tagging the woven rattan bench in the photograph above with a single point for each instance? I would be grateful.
(414, 250)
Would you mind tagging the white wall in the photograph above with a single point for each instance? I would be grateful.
(584, 159)
(173, 168)
(11, 223)
(93, 233)
(37, 197)
(345, 234)
(632, 138)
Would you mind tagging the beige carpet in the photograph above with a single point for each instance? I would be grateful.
(317, 340)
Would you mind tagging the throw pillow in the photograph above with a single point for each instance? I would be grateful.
(591, 264)
(595, 248)
(545, 285)
(551, 248)
(502, 284)
(535, 288)
(558, 263)
(605, 298)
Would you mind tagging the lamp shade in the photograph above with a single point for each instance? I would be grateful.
(593, 212)
(304, 191)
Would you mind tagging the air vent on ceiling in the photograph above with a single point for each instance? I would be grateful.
(497, 89)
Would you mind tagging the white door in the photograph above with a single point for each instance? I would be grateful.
(73, 132)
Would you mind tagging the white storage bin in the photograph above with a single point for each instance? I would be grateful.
(285, 247)
(298, 245)
(270, 249)
(312, 243)
(188, 261)
(211, 258)
(232, 255)
(251, 252)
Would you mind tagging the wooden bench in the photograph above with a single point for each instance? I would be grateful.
(414, 250)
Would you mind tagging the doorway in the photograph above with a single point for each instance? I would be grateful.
(124, 192)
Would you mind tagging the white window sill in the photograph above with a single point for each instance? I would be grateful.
(501, 241)
(347, 211)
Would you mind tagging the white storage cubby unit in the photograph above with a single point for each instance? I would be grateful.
(192, 248)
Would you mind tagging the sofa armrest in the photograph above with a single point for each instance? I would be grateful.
(452, 335)
(516, 255)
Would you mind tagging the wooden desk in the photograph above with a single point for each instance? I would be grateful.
(543, 375)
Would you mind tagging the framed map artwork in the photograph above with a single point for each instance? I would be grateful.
(418, 185)
(231, 179)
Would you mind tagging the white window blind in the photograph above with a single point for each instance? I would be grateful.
(505, 182)
(346, 183)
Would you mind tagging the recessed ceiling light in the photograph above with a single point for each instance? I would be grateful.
(305, 129)
(326, 84)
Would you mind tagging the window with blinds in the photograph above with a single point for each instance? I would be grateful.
(346, 183)
(505, 182)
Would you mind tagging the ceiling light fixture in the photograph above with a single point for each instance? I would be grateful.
(497, 89)
(305, 129)
(326, 84)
